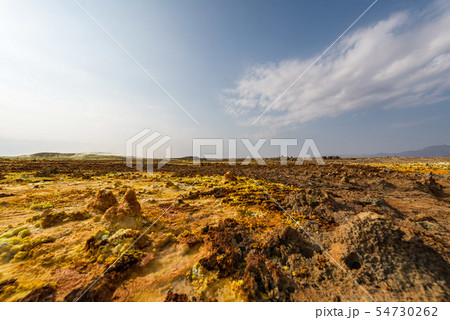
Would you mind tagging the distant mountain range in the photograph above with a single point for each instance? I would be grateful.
(428, 152)
(62, 154)
(432, 151)
(70, 155)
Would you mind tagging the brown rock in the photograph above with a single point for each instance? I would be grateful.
(285, 241)
(104, 200)
(111, 213)
(146, 260)
(345, 180)
(7, 283)
(227, 245)
(44, 294)
(434, 187)
(52, 219)
(176, 297)
(129, 208)
(264, 281)
(130, 203)
(229, 176)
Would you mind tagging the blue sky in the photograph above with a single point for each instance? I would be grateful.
(66, 86)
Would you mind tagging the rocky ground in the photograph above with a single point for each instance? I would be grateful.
(350, 230)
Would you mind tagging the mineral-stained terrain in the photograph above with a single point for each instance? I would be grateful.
(350, 230)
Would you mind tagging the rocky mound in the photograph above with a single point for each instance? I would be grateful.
(227, 246)
(432, 186)
(263, 280)
(378, 254)
(50, 219)
(229, 176)
(383, 185)
(104, 200)
(130, 204)
(127, 213)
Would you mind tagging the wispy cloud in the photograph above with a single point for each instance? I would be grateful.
(400, 125)
(403, 61)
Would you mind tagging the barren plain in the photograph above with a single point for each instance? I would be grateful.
(358, 229)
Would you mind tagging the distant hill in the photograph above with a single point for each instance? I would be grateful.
(51, 154)
(68, 156)
(432, 151)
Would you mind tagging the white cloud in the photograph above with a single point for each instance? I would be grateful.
(403, 61)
